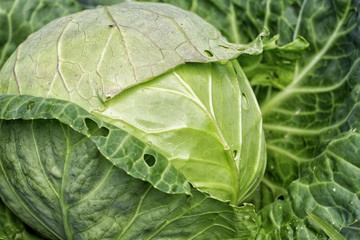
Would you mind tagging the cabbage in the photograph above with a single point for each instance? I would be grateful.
(130, 122)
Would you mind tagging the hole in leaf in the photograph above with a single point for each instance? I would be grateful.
(224, 46)
(208, 53)
(110, 26)
(30, 105)
(149, 159)
(94, 128)
(281, 197)
(235, 152)
(244, 102)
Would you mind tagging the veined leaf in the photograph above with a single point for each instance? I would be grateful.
(64, 188)
(311, 122)
(109, 53)
(121, 149)
(327, 186)
(186, 116)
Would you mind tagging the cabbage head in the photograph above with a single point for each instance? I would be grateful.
(129, 122)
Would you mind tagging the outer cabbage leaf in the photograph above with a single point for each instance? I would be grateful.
(64, 188)
(19, 18)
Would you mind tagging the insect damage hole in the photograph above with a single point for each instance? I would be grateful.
(149, 159)
(208, 53)
(30, 105)
(94, 128)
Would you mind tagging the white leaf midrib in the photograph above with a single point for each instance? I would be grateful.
(266, 108)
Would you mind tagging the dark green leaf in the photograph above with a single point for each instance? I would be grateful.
(11, 227)
(64, 188)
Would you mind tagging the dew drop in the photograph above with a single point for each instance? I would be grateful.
(351, 202)
(298, 111)
(247, 217)
(226, 147)
(354, 130)
(244, 102)
(334, 189)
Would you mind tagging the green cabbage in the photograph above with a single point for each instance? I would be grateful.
(109, 114)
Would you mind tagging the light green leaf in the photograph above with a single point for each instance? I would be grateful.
(186, 116)
(64, 188)
(110, 49)
(121, 149)
(19, 18)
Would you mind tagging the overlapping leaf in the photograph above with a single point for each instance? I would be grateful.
(65, 189)
(186, 116)
(116, 145)
(312, 116)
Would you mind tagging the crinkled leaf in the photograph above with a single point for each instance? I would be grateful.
(275, 67)
(59, 183)
(121, 149)
(327, 187)
(19, 18)
(311, 123)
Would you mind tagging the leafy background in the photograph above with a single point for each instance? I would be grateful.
(308, 90)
